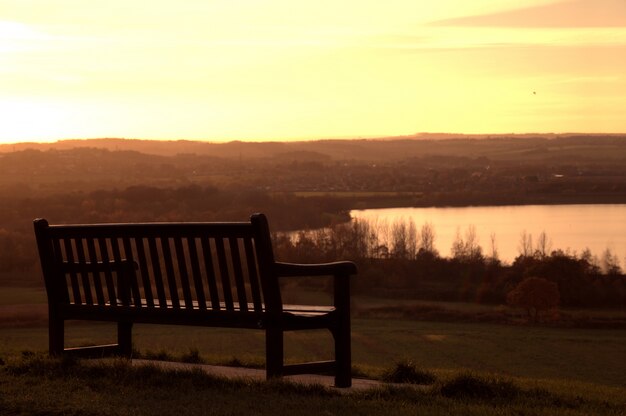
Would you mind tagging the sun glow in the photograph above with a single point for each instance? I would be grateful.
(283, 70)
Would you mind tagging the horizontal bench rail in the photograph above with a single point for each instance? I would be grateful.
(186, 229)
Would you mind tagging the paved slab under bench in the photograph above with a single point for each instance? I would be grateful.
(259, 375)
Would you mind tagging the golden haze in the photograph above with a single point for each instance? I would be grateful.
(289, 70)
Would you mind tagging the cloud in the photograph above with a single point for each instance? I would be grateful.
(573, 13)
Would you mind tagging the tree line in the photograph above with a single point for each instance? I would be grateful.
(407, 265)
(141, 203)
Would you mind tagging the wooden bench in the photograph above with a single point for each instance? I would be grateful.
(206, 274)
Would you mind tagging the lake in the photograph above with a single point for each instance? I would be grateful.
(573, 227)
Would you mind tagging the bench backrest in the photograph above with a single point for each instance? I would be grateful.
(207, 266)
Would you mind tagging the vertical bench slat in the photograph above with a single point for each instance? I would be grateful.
(108, 276)
(61, 286)
(195, 270)
(143, 269)
(184, 275)
(210, 274)
(169, 271)
(123, 284)
(93, 258)
(80, 253)
(134, 285)
(253, 275)
(242, 298)
(69, 256)
(223, 265)
(156, 270)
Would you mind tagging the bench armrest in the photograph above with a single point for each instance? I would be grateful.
(339, 268)
(340, 271)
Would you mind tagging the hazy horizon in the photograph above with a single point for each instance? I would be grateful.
(414, 136)
(280, 71)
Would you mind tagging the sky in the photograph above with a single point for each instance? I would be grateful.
(285, 69)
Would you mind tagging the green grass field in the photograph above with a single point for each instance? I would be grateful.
(582, 355)
(479, 370)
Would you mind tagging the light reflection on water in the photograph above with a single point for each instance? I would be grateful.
(573, 227)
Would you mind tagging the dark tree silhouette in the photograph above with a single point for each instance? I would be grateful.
(535, 295)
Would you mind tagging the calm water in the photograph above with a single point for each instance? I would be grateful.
(573, 227)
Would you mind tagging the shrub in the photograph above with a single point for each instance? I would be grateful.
(406, 372)
(356, 371)
(468, 386)
(192, 357)
(158, 355)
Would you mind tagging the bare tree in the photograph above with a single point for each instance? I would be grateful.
(525, 247)
(411, 239)
(457, 249)
(544, 245)
(494, 248)
(427, 238)
(467, 249)
(472, 247)
(381, 228)
(592, 261)
(404, 239)
(609, 263)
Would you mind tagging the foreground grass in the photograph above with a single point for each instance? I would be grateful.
(35, 384)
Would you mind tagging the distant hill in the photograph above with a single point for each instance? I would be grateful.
(505, 147)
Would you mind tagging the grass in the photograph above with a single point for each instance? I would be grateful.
(594, 356)
(471, 368)
(474, 369)
(35, 384)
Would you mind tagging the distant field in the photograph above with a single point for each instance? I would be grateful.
(356, 194)
(22, 295)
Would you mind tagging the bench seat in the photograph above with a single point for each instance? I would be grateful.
(295, 317)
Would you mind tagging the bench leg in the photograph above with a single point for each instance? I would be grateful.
(56, 336)
(343, 358)
(274, 352)
(125, 339)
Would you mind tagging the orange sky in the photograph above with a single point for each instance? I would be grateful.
(278, 69)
